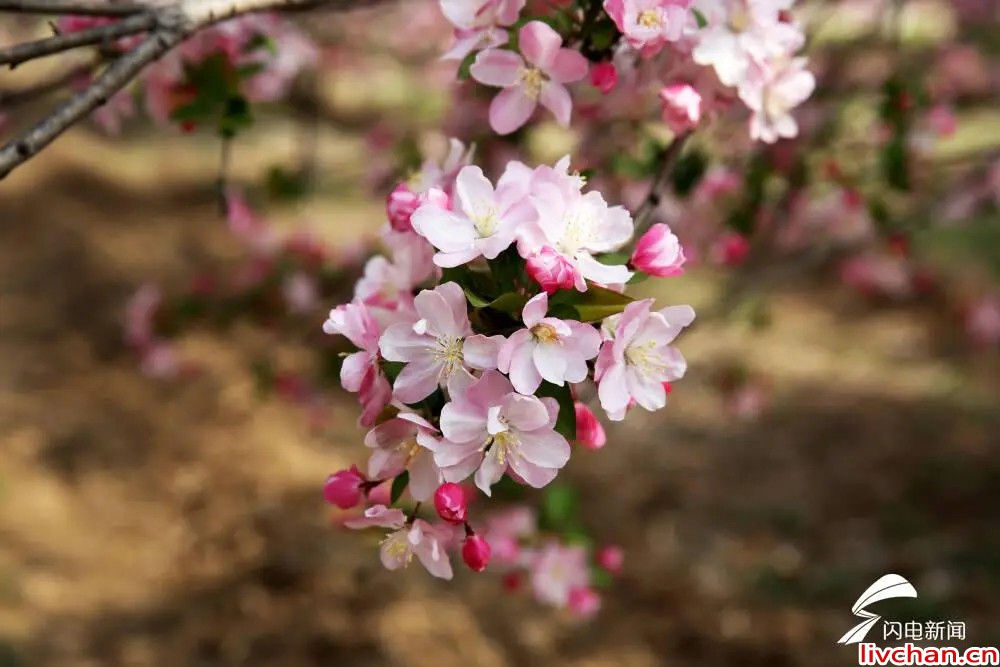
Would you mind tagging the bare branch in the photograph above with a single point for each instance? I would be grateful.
(13, 97)
(644, 214)
(74, 7)
(131, 25)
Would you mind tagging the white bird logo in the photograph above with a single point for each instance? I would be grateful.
(889, 586)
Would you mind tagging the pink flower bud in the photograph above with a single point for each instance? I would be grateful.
(659, 253)
(610, 558)
(400, 205)
(343, 488)
(551, 270)
(589, 431)
(476, 552)
(449, 501)
(584, 601)
(604, 77)
(731, 249)
(681, 107)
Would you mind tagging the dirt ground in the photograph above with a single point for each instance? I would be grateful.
(149, 523)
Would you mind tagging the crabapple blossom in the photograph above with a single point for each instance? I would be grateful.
(416, 538)
(389, 283)
(476, 24)
(577, 226)
(449, 502)
(476, 552)
(681, 107)
(360, 371)
(505, 530)
(537, 77)
(589, 431)
(604, 77)
(556, 570)
(611, 557)
(551, 270)
(484, 223)
(649, 24)
(405, 442)
(548, 348)
(659, 253)
(344, 488)
(637, 358)
(491, 429)
(584, 601)
(438, 346)
(771, 92)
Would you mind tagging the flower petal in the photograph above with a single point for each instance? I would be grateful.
(539, 43)
(496, 67)
(556, 99)
(510, 109)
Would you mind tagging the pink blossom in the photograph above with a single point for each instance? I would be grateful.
(649, 24)
(637, 358)
(547, 348)
(248, 227)
(982, 321)
(400, 205)
(741, 31)
(771, 92)
(449, 502)
(576, 226)
(604, 77)
(476, 24)
(300, 292)
(390, 283)
(418, 538)
(490, 428)
(439, 346)
(484, 223)
(405, 442)
(505, 530)
(681, 107)
(525, 83)
(584, 601)
(551, 270)
(556, 570)
(344, 488)
(659, 252)
(361, 371)
(476, 552)
(611, 557)
(589, 431)
(730, 249)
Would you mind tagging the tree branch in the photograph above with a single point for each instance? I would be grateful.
(174, 23)
(74, 7)
(644, 214)
(131, 25)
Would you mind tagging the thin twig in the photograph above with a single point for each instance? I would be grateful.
(644, 214)
(13, 97)
(74, 7)
(131, 25)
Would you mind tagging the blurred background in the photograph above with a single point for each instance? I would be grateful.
(826, 434)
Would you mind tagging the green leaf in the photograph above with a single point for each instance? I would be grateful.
(638, 277)
(688, 171)
(566, 421)
(613, 258)
(598, 303)
(399, 485)
(700, 18)
(476, 300)
(559, 506)
(464, 68)
(392, 369)
(511, 303)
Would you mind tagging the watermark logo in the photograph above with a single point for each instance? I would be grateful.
(887, 587)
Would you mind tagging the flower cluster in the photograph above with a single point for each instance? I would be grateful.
(701, 56)
(499, 306)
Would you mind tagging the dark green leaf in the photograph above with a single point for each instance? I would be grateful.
(700, 18)
(476, 300)
(598, 303)
(559, 506)
(613, 258)
(399, 485)
(688, 171)
(511, 303)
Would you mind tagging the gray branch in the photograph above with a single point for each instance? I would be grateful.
(74, 7)
(104, 34)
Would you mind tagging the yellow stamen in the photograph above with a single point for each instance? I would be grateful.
(650, 18)
(544, 333)
(531, 80)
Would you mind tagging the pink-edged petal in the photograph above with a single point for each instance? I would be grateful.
(425, 477)
(524, 376)
(389, 434)
(539, 43)
(434, 558)
(446, 230)
(462, 422)
(354, 369)
(448, 454)
(489, 473)
(568, 66)
(447, 260)
(378, 515)
(489, 390)
(603, 274)
(480, 352)
(545, 448)
(441, 318)
(459, 382)
(647, 392)
(496, 67)
(535, 310)
(556, 99)
(417, 380)
(584, 340)
(510, 109)
(678, 316)
(550, 360)
(533, 475)
(516, 340)
(401, 343)
(524, 413)
(384, 463)
(474, 190)
(613, 392)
